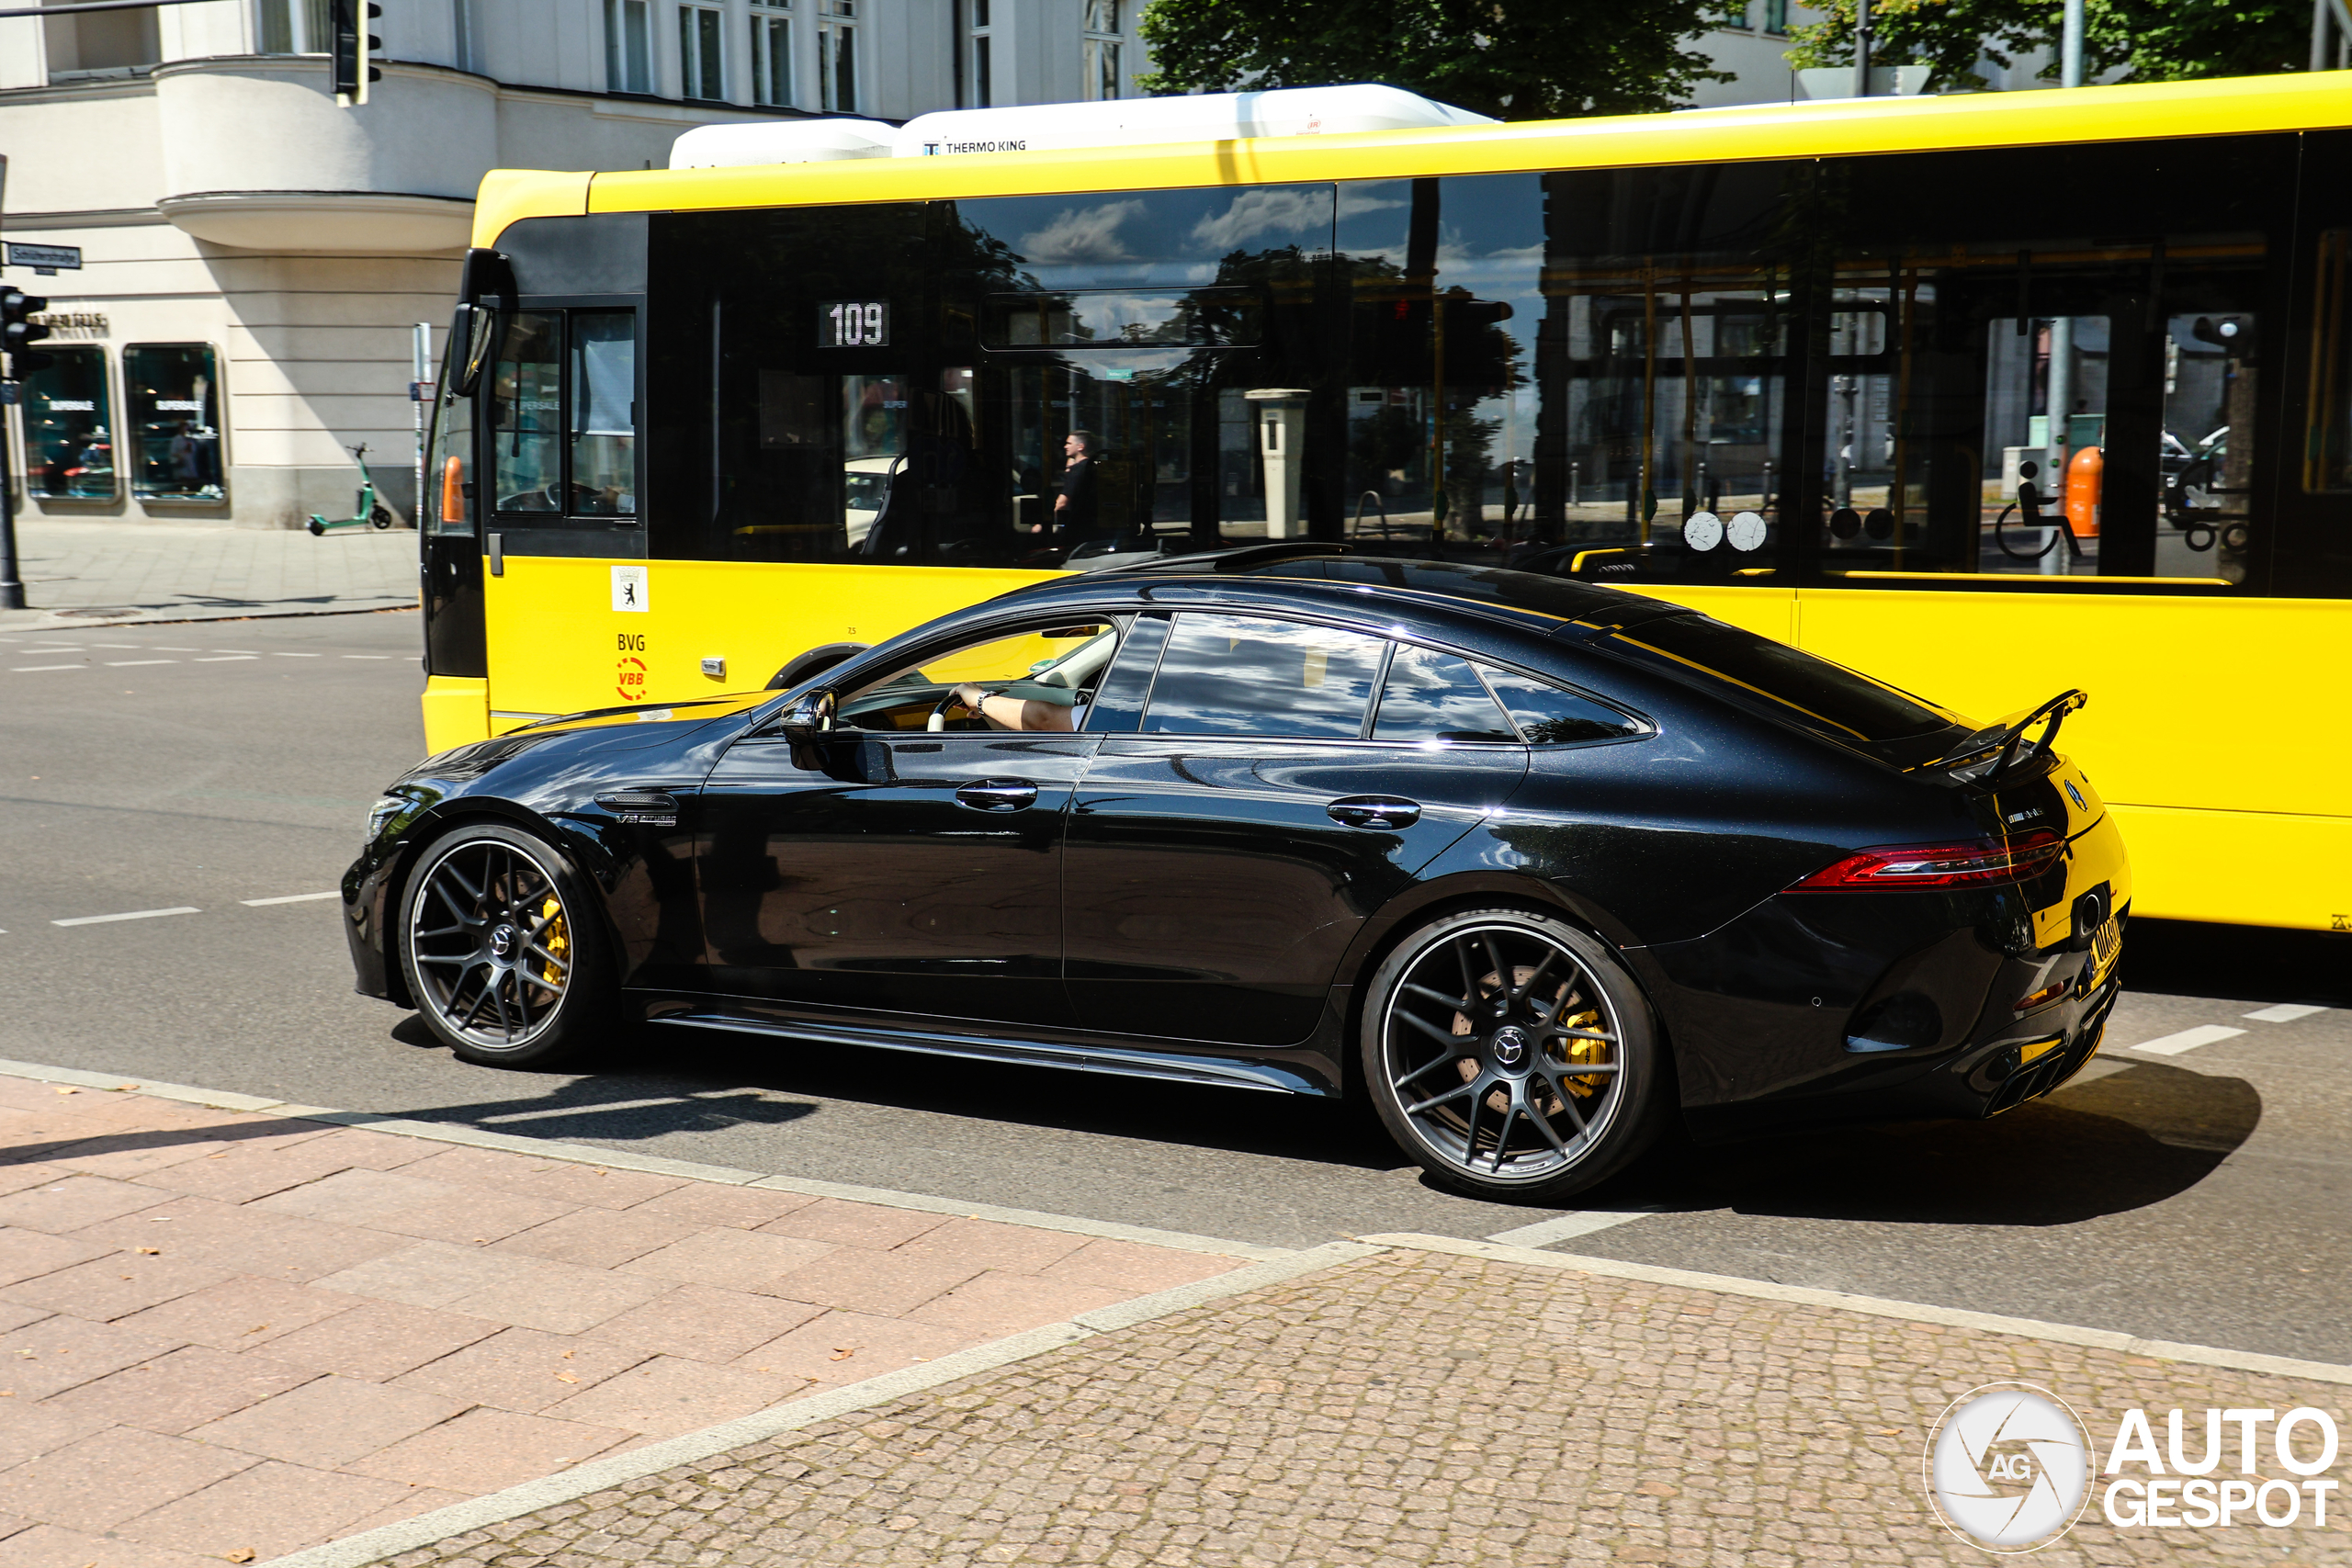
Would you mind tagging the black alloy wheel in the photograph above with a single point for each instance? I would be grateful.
(1512, 1056)
(502, 950)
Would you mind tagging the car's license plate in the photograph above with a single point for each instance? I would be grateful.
(2106, 945)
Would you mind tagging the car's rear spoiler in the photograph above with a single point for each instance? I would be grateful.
(1999, 749)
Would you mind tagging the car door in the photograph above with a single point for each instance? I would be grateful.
(915, 871)
(1225, 847)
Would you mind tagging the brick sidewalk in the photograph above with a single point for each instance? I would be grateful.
(1413, 1407)
(230, 1335)
(85, 574)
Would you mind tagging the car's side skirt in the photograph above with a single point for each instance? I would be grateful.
(1125, 1061)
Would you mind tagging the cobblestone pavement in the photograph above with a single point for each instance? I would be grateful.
(224, 1332)
(1413, 1407)
(84, 574)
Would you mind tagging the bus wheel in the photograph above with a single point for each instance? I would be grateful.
(1512, 1057)
(503, 949)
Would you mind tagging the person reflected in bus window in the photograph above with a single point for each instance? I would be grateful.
(1075, 500)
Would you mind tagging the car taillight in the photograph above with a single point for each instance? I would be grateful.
(1943, 865)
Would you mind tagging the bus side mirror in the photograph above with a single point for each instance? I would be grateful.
(805, 721)
(473, 339)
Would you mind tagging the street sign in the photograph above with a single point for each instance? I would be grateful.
(45, 259)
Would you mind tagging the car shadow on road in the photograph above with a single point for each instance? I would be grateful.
(705, 1076)
(2123, 1139)
(2183, 958)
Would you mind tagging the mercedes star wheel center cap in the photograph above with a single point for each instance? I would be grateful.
(1510, 1046)
(501, 942)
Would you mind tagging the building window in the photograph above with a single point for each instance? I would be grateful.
(69, 428)
(462, 20)
(983, 93)
(771, 59)
(173, 389)
(628, 46)
(1101, 49)
(1776, 16)
(294, 27)
(700, 72)
(1737, 15)
(837, 56)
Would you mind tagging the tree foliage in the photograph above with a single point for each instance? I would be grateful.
(1511, 58)
(2145, 41)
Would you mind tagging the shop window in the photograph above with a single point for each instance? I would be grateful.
(69, 428)
(173, 393)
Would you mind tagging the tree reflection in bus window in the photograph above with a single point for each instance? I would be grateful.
(526, 415)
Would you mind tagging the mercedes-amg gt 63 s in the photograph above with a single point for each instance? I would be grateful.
(1535, 863)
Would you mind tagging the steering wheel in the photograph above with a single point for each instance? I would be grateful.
(938, 719)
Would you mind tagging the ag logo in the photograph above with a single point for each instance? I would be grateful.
(2007, 1467)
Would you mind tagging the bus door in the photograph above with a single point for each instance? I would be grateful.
(449, 548)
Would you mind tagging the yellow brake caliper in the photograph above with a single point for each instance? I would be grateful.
(556, 939)
(1584, 1051)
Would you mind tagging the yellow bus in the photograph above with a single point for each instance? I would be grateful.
(1797, 365)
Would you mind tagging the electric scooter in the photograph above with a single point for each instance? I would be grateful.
(370, 513)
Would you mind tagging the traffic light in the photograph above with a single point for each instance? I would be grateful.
(353, 47)
(17, 332)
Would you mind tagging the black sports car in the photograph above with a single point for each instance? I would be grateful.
(1538, 864)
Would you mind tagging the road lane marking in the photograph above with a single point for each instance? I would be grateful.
(2187, 1040)
(2285, 1012)
(34, 668)
(167, 647)
(127, 663)
(133, 915)
(118, 645)
(1581, 1222)
(288, 898)
(224, 659)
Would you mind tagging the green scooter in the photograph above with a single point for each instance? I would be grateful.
(370, 513)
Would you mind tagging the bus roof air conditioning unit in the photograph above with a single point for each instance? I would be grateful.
(746, 144)
(1206, 116)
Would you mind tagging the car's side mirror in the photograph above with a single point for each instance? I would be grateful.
(805, 721)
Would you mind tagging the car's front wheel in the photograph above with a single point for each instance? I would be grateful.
(1512, 1056)
(503, 952)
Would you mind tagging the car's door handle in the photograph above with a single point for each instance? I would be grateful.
(998, 795)
(645, 807)
(1374, 811)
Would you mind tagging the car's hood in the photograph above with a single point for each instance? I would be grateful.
(679, 713)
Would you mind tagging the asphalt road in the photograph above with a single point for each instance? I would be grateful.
(2197, 1194)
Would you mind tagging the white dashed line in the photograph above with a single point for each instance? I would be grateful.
(2187, 1040)
(288, 899)
(35, 668)
(127, 663)
(133, 915)
(1582, 1221)
(224, 659)
(2285, 1012)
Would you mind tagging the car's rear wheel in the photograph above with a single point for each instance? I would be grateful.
(1512, 1056)
(503, 951)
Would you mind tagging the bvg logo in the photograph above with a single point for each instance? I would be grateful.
(2009, 1468)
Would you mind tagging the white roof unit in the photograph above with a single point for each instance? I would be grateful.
(748, 142)
(1206, 116)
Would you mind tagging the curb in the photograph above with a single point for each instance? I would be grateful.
(598, 1475)
(649, 1164)
(54, 624)
(1878, 1306)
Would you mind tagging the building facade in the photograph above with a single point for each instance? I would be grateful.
(255, 257)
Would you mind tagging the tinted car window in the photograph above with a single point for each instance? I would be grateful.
(1806, 688)
(1550, 716)
(1248, 675)
(1436, 697)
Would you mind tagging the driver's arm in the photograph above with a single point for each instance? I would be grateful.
(1012, 713)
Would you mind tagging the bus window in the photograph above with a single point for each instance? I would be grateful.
(2327, 462)
(525, 420)
(602, 422)
(1446, 299)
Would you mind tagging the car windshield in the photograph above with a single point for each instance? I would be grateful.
(1828, 698)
